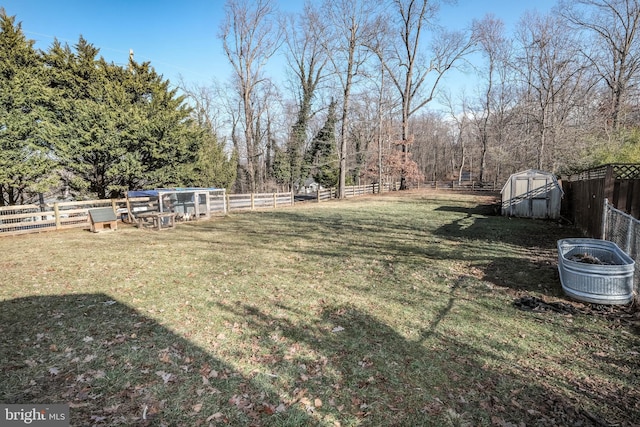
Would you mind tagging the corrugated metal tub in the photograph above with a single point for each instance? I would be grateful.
(595, 271)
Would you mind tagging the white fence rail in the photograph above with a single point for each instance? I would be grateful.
(24, 219)
(33, 218)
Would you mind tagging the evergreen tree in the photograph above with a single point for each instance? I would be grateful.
(119, 128)
(26, 162)
(322, 158)
(162, 132)
(282, 167)
(213, 167)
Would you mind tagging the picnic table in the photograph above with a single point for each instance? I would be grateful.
(157, 220)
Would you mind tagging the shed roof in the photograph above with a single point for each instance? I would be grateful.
(532, 173)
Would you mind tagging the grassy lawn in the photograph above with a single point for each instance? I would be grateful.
(394, 310)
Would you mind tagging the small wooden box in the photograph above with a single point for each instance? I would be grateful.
(103, 219)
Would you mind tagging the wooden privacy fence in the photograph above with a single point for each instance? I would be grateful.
(586, 192)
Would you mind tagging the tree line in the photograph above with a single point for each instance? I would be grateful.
(74, 125)
(365, 97)
(558, 93)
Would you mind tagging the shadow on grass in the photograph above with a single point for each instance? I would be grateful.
(116, 366)
(511, 252)
(478, 223)
(535, 269)
(361, 368)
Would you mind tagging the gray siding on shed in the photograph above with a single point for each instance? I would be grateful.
(532, 194)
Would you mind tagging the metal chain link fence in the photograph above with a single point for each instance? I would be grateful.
(623, 230)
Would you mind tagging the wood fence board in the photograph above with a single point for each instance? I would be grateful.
(585, 194)
(19, 207)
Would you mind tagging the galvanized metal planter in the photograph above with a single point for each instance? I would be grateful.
(607, 281)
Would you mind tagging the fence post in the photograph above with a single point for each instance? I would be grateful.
(630, 230)
(275, 200)
(605, 211)
(252, 202)
(56, 212)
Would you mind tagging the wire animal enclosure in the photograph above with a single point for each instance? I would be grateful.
(623, 230)
(161, 208)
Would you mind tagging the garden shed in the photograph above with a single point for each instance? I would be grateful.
(532, 194)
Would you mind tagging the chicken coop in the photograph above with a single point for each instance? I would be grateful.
(162, 208)
(532, 194)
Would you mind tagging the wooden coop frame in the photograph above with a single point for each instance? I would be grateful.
(160, 209)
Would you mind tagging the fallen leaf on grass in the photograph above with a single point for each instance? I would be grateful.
(218, 416)
(166, 376)
(164, 357)
(74, 405)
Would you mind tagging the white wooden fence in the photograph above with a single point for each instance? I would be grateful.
(23, 219)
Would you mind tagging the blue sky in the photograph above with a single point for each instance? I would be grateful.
(179, 37)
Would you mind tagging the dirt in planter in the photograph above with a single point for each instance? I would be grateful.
(588, 259)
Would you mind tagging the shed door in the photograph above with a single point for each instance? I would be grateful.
(532, 194)
(540, 190)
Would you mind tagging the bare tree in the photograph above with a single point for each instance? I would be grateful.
(553, 79)
(493, 45)
(351, 31)
(250, 39)
(615, 50)
(304, 37)
(207, 110)
(459, 128)
(415, 78)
